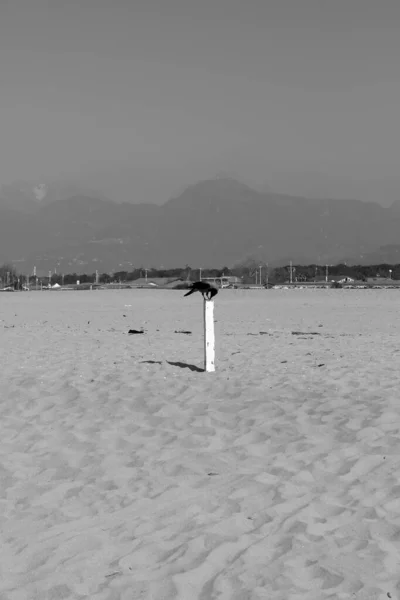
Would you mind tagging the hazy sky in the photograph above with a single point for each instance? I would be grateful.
(144, 96)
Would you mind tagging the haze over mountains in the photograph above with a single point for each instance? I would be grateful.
(212, 223)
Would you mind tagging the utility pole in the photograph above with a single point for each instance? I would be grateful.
(260, 274)
(267, 276)
(326, 273)
(200, 274)
(291, 272)
(49, 278)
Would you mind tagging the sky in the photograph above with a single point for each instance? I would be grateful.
(138, 98)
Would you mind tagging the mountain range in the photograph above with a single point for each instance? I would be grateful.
(212, 223)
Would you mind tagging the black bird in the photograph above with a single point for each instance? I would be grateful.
(207, 290)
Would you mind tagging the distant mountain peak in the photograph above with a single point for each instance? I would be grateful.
(212, 223)
(221, 183)
(214, 190)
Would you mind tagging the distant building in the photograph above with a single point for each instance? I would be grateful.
(334, 279)
(322, 281)
(156, 282)
(224, 281)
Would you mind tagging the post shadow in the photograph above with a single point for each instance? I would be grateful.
(181, 365)
(186, 366)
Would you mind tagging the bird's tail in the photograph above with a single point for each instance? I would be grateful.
(189, 292)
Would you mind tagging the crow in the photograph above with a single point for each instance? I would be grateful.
(207, 290)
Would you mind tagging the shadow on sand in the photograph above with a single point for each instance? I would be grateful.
(186, 366)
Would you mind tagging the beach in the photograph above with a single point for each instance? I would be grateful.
(126, 472)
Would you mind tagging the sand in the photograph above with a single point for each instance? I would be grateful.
(127, 473)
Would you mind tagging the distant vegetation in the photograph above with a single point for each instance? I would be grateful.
(8, 273)
(317, 272)
(247, 273)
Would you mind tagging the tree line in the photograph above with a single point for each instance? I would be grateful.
(248, 273)
(315, 272)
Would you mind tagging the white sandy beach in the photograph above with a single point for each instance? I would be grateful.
(126, 473)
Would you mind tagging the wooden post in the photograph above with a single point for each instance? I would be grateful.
(209, 337)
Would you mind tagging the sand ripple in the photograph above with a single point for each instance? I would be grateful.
(125, 474)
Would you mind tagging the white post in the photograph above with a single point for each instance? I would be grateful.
(209, 337)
